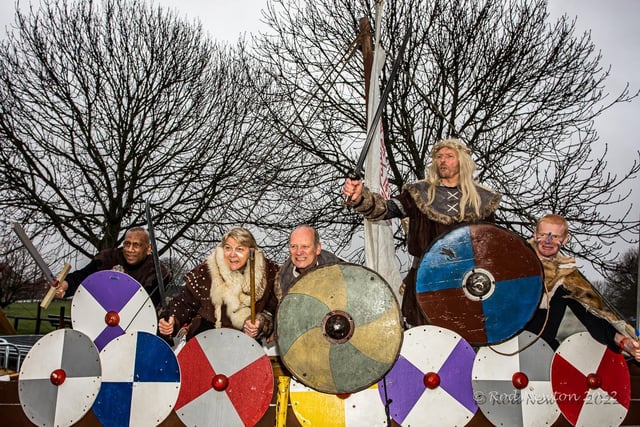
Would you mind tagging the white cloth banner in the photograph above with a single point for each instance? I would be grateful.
(380, 253)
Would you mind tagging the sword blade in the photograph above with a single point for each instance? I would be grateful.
(156, 256)
(44, 267)
(375, 122)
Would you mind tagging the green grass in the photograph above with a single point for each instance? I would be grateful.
(30, 309)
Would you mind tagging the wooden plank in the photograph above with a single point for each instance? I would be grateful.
(6, 328)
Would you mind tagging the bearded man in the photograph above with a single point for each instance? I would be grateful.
(447, 198)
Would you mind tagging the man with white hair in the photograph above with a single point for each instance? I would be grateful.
(305, 253)
(447, 198)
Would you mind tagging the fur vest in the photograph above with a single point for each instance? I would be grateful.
(439, 210)
(562, 270)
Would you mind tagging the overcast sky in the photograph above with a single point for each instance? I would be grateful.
(614, 30)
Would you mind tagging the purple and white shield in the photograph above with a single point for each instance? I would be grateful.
(430, 383)
(108, 304)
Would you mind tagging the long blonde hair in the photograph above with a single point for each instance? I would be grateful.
(469, 193)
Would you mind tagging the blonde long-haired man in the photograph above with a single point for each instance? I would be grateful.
(448, 197)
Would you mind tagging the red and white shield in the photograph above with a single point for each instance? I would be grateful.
(590, 382)
(226, 380)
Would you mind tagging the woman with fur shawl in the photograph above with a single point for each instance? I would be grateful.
(217, 293)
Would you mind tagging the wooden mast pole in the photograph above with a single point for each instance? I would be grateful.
(366, 46)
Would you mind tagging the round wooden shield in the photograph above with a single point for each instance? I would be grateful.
(590, 382)
(227, 380)
(339, 328)
(140, 381)
(481, 281)
(314, 408)
(109, 303)
(59, 378)
(430, 384)
(511, 382)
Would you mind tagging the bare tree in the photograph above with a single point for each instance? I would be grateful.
(104, 105)
(621, 285)
(19, 277)
(522, 91)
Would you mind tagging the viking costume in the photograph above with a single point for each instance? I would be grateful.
(566, 287)
(113, 259)
(214, 296)
(427, 221)
(289, 273)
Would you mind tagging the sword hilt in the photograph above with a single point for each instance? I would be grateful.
(51, 293)
(353, 175)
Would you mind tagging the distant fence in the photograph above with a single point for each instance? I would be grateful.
(58, 321)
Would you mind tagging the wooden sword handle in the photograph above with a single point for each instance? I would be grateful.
(51, 293)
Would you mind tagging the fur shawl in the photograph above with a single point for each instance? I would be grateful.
(233, 288)
(562, 270)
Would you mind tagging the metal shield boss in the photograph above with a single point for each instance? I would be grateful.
(339, 328)
(591, 383)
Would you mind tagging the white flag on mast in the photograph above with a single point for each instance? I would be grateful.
(379, 251)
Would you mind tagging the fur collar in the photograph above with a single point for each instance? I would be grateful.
(561, 270)
(556, 269)
(233, 288)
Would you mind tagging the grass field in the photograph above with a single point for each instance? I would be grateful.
(30, 309)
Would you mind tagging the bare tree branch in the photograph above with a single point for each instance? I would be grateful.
(522, 91)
